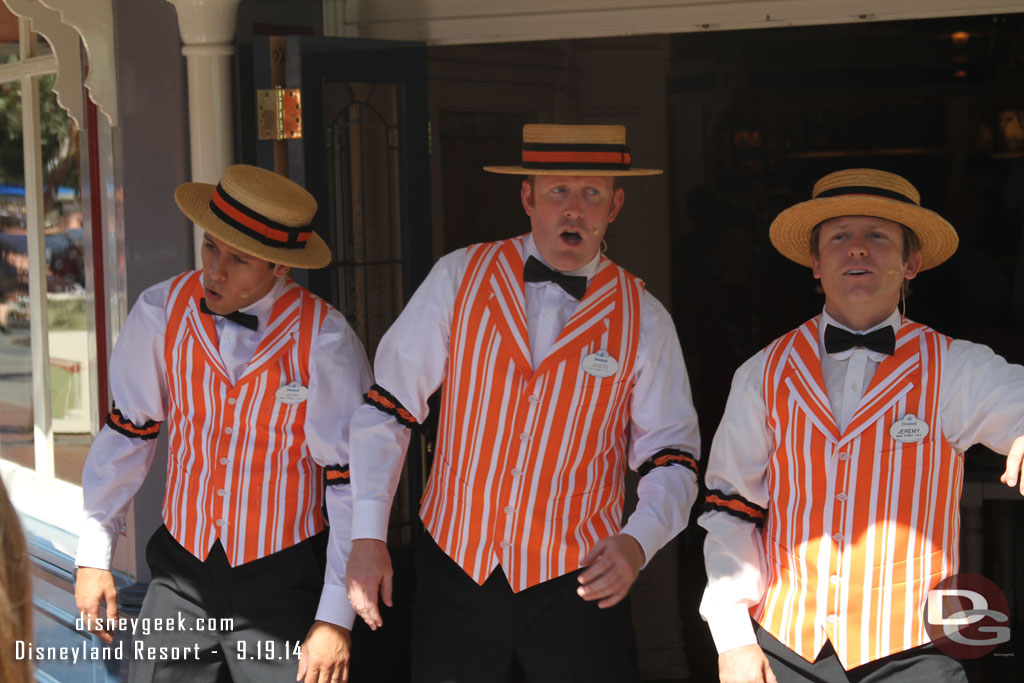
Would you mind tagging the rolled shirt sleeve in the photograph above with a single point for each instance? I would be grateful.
(733, 551)
(339, 375)
(117, 464)
(410, 364)
(662, 420)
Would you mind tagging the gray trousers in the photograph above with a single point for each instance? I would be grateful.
(925, 664)
(208, 622)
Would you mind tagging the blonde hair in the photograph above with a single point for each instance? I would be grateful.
(15, 594)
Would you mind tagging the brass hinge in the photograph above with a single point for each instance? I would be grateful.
(279, 114)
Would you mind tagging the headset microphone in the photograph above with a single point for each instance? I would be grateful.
(248, 293)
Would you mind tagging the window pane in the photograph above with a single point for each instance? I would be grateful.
(65, 287)
(16, 431)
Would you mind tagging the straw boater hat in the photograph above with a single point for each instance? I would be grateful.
(259, 212)
(552, 149)
(863, 192)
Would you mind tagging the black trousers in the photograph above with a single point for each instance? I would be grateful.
(925, 664)
(466, 633)
(209, 622)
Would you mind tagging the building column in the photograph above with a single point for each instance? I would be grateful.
(208, 30)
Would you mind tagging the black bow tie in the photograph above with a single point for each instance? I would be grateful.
(882, 340)
(247, 320)
(535, 271)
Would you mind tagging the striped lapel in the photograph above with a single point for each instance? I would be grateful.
(590, 319)
(282, 329)
(205, 332)
(893, 379)
(507, 303)
(806, 381)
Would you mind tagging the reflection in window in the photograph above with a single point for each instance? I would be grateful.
(16, 432)
(66, 325)
(65, 287)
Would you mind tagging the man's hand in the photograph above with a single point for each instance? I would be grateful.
(325, 654)
(369, 571)
(93, 586)
(746, 664)
(1011, 477)
(612, 567)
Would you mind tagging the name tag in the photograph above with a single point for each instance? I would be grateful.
(909, 429)
(600, 364)
(292, 393)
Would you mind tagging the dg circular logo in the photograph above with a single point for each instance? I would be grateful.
(967, 616)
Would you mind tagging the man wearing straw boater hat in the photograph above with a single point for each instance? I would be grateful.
(559, 371)
(834, 478)
(256, 379)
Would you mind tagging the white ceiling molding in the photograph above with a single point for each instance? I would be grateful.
(452, 22)
(64, 42)
(94, 21)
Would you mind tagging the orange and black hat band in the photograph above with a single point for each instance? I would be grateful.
(735, 505)
(596, 157)
(255, 225)
(666, 457)
(864, 190)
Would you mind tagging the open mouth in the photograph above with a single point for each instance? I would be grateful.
(571, 237)
(857, 271)
(212, 295)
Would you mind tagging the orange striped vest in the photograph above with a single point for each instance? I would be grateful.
(859, 526)
(238, 468)
(530, 464)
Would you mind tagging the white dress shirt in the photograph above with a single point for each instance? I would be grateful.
(981, 400)
(339, 374)
(412, 361)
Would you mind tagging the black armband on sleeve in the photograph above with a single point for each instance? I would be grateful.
(119, 423)
(669, 456)
(379, 398)
(336, 475)
(735, 505)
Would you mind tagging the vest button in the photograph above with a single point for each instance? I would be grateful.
(229, 430)
(221, 492)
(844, 456)
(508, 509)
(841, 497)
(222, 522)
(834, 580)
(837, 537)
(831, 619)
(524, 437)
(516, 472)
(232, 401)
(506, 545)
(533, 398)
(223, 461)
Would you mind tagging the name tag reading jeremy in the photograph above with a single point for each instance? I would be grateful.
(909, 429)
(600, 364)
(292, 393)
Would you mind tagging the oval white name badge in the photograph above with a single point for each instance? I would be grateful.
(600, 364)
(292, 393)
(909, 429)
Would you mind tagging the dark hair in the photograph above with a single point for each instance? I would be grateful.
(911, 242)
